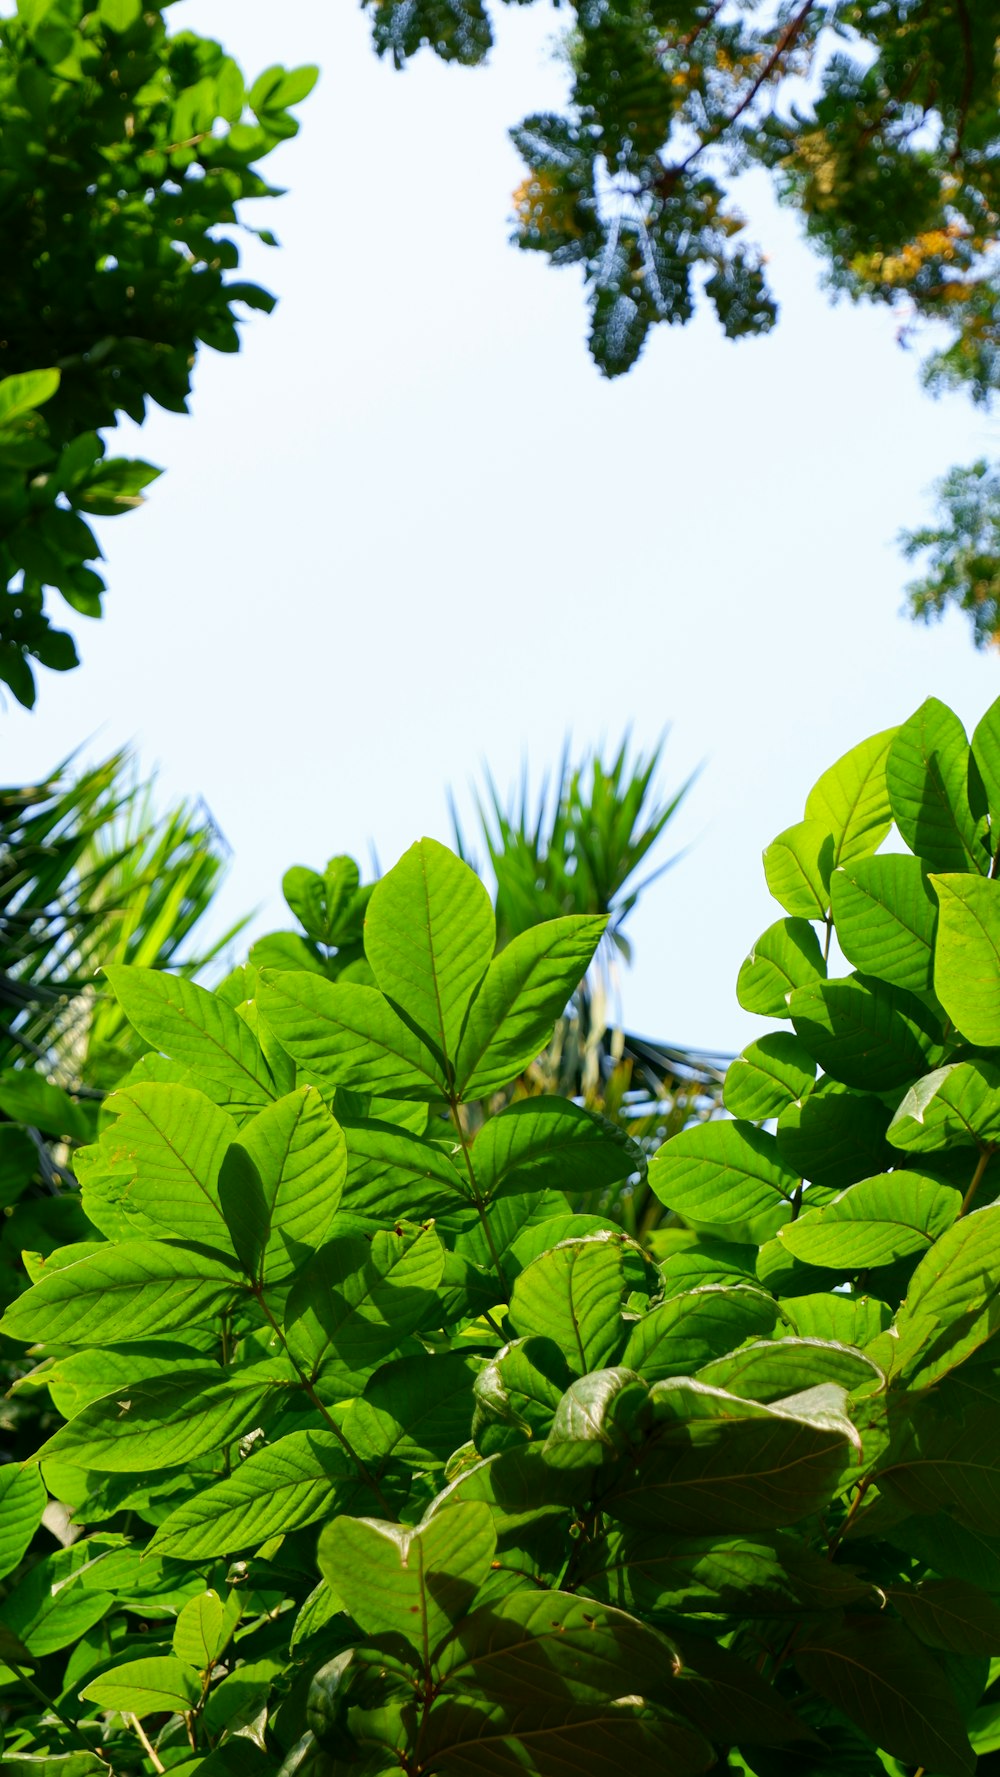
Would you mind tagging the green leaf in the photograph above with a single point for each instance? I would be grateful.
(125, 1292)
(429, 937)
(22, 394)
(28, 1098)
(276, 1490)
(525, 989)
(22, 1501)
(848, 1320)
(726, 1698)
(392, 1173)
(952, 1304)
(851, 800)
(873, 1223)
(358, 1298)
(751, 1577)
(942, 1461)
(120, 14)
(986, 753)
(481, 1740)
(165, 1422)
(521, 1389)
(200, 1631)
(886, 918)
(720, 1464)
(415, 1583)
(797, 866)
(967, 955)
(835, 1137)
(879, 1675)
(553, 1141)
(572, 1295)
(726, 1177)
(770, 1075)
(774, 1370)
(48, 1609)
(599, 1419)
(280, 1207)
(865, 1033)
(957, 1106)
(165, 1149)
(427, 1402)
(348, 1034)
(927, 776)
(950, 1614)
(194, 1027)
(685, 1332)
(145, 1687)
(785, 957)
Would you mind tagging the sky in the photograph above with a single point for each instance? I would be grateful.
(410, 529)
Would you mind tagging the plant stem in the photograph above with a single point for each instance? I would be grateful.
(977, 1179)
(151, 1752)
(838, 1538)
(53, 1708)
(456, 1117)
(362, 1467)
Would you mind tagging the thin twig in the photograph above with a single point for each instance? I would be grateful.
(151, 1752)
(977, 1179)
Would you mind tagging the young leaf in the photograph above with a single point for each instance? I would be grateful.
(797, 866)
(967, 955)
(414, 1583)
(880, 1676)
(276, 1490)
(194, 1027)
(785, 957)
(886, 918)
(525, 989)
(851, 800)
(927, 776)
(555, 1140)
(145, 1687)
(125, 1292)
(727, 1177)
(572, 1295)
(348, 1034)
(282, 1205)
(200, 1630)
(429, 937)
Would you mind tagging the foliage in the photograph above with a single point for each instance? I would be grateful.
(125, 152)
(382, 1457)
(963, 552)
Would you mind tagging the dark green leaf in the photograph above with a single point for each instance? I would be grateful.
(415, 1583)
(927, 777)
(865, 1033)
(556, 1141)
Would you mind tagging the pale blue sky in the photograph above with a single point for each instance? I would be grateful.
(410, 528)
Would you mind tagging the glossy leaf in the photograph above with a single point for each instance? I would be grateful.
(797, 866)
(429, 937)
(770, 1075)
(851, 799)
(349, 1035)
(572, 1295)
(280, 1207)
(873, 1223)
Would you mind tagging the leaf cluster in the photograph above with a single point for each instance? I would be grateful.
(126, 154)
(380, 1455)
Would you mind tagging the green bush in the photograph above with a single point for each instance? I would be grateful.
(386, 1458)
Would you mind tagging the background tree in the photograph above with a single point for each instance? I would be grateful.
(125, 154)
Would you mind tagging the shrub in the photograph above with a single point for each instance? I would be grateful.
(388, 1459)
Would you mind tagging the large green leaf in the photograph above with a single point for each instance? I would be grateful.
(125, 1292)
(727, 1177)
(952, 1304)
(951, 1614)
(835, 1136)
(194, 1027)
(280, 1207)
(851, 799)
(967, 955)
(360, 1295)
(572, 1294)
(600, 1418)
(785, 957)
(48, 1609)
(879, 1675)
(428, 1404)
(393, 1173)
(770, 1075)
(865, 1033)
(986, 753)
(886, 917)
(473, 1739)
(276, 1490)
(429, 937)
(521, 1389)
(525, 989)
(164, 1152)
(556, 1142)
(953, 1106)
(165, 1422)
(797, 866)
(146, 1687)
(200, 1631)
(729, 1700)
(680, 1335)
(749, 1577)
(731, 1465)
(875, 1222)
(348, 1034)
(415, 1583)
(774, 1369)
(927, 776)
(22, 1501)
